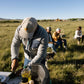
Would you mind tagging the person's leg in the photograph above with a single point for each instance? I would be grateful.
(52, 47)
(78, 42)
(60, 43)
(82, 38)
(57, 44)
(65, 43)
(26, 60)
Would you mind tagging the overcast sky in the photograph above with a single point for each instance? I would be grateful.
(42, 9)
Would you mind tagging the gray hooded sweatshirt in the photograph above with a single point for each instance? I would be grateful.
(35, 51)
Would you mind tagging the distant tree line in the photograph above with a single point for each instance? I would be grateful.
(71, 19)
(10, 21)
(76, 19)
(44, 20)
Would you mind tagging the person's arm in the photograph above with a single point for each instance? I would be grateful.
(77, 35)
(41, 53)
(81, 34)
(15, 49)
(53, 36)
(60, 37)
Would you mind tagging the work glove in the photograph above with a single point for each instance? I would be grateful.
(14, 65)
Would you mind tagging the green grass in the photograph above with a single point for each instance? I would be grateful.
(66, 67)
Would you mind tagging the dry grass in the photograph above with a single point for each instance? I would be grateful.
(66, 67)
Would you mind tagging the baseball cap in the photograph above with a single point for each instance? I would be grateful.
(28, 27)
(58, 29)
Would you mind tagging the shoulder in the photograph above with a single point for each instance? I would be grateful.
(41, 31)
(76, 31)
(54, 33)
(18, 28)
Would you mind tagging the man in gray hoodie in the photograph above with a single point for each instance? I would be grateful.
(34, 39)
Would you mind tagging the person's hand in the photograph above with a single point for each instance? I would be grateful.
(14, 65)
(62, 41)
(80, 36)
(54, 43)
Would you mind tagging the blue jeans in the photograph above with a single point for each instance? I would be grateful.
(60, 43)
(57, 44)
(78, 38)
(26, 61)
(52, 47)
(63, 41)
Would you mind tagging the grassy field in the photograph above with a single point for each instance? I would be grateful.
(66, 67)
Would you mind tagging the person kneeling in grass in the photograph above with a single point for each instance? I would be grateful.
(58, 41)
(78, 35)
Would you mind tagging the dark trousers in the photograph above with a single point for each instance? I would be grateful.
(82, 38)
(78, 38)
(63, 41)
(60, 43)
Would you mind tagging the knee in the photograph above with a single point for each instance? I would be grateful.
(65, 40)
